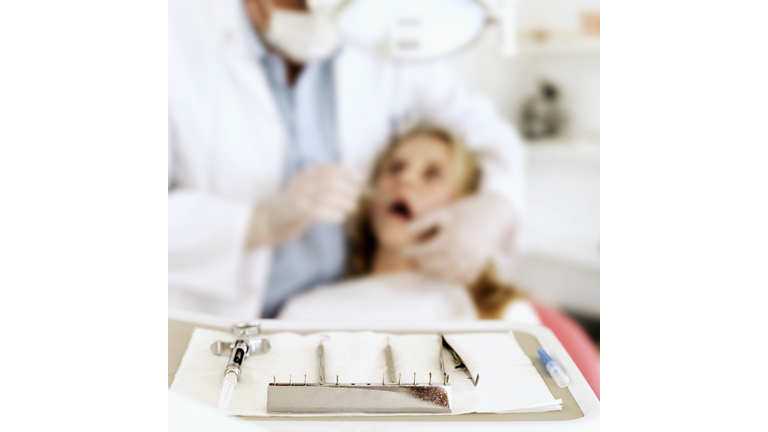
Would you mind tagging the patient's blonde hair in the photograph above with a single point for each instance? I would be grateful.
(490, 295)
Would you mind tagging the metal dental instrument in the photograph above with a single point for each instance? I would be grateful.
(320, 363)
(240, 349)
(359, 397)
(459, 363)
(440, 356)
(390, 362)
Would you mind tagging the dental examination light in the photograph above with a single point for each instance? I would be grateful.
(425, 29)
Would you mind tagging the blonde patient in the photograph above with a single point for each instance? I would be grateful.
(418, 173)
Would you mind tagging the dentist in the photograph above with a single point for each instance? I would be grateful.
(273, 125)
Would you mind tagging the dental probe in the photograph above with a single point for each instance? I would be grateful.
(390, 362)
(320, 363)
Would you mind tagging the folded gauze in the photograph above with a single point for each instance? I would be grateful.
(509, 382)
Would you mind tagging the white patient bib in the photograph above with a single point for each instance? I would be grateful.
(396, 296)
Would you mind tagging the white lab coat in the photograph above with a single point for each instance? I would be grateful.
(226, 142)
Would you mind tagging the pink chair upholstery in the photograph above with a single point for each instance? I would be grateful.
(576, 342)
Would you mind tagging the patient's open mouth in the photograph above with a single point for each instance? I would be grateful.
(400, 208)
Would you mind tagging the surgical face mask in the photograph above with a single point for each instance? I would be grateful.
(303, 36)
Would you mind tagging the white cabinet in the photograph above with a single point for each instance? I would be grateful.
(563, 186)
(560, 264)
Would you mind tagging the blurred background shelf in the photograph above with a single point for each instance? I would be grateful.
(581, 46)
(579, 253)
(581, 150)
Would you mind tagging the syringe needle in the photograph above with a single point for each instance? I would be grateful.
(230, 380)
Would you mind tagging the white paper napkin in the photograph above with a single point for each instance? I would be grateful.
(508, 380)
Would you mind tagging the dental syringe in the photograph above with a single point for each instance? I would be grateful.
(240, 350)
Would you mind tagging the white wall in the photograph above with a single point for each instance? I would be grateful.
(487, 72)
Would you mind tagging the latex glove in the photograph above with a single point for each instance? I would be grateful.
(461, 237)
(320, 194)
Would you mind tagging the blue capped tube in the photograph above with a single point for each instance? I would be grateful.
(554, 369)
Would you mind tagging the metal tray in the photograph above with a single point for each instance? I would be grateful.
(581, 409)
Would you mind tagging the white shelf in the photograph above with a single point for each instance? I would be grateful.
(579, 46)
(584, 151)
(579, 254)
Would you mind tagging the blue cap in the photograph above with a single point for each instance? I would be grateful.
(543, 356)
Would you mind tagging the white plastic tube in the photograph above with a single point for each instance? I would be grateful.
(230, 380)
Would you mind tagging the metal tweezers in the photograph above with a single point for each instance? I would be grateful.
(459, 363)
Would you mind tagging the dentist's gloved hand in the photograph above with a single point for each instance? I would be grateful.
(320, 194)
(461, 238)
